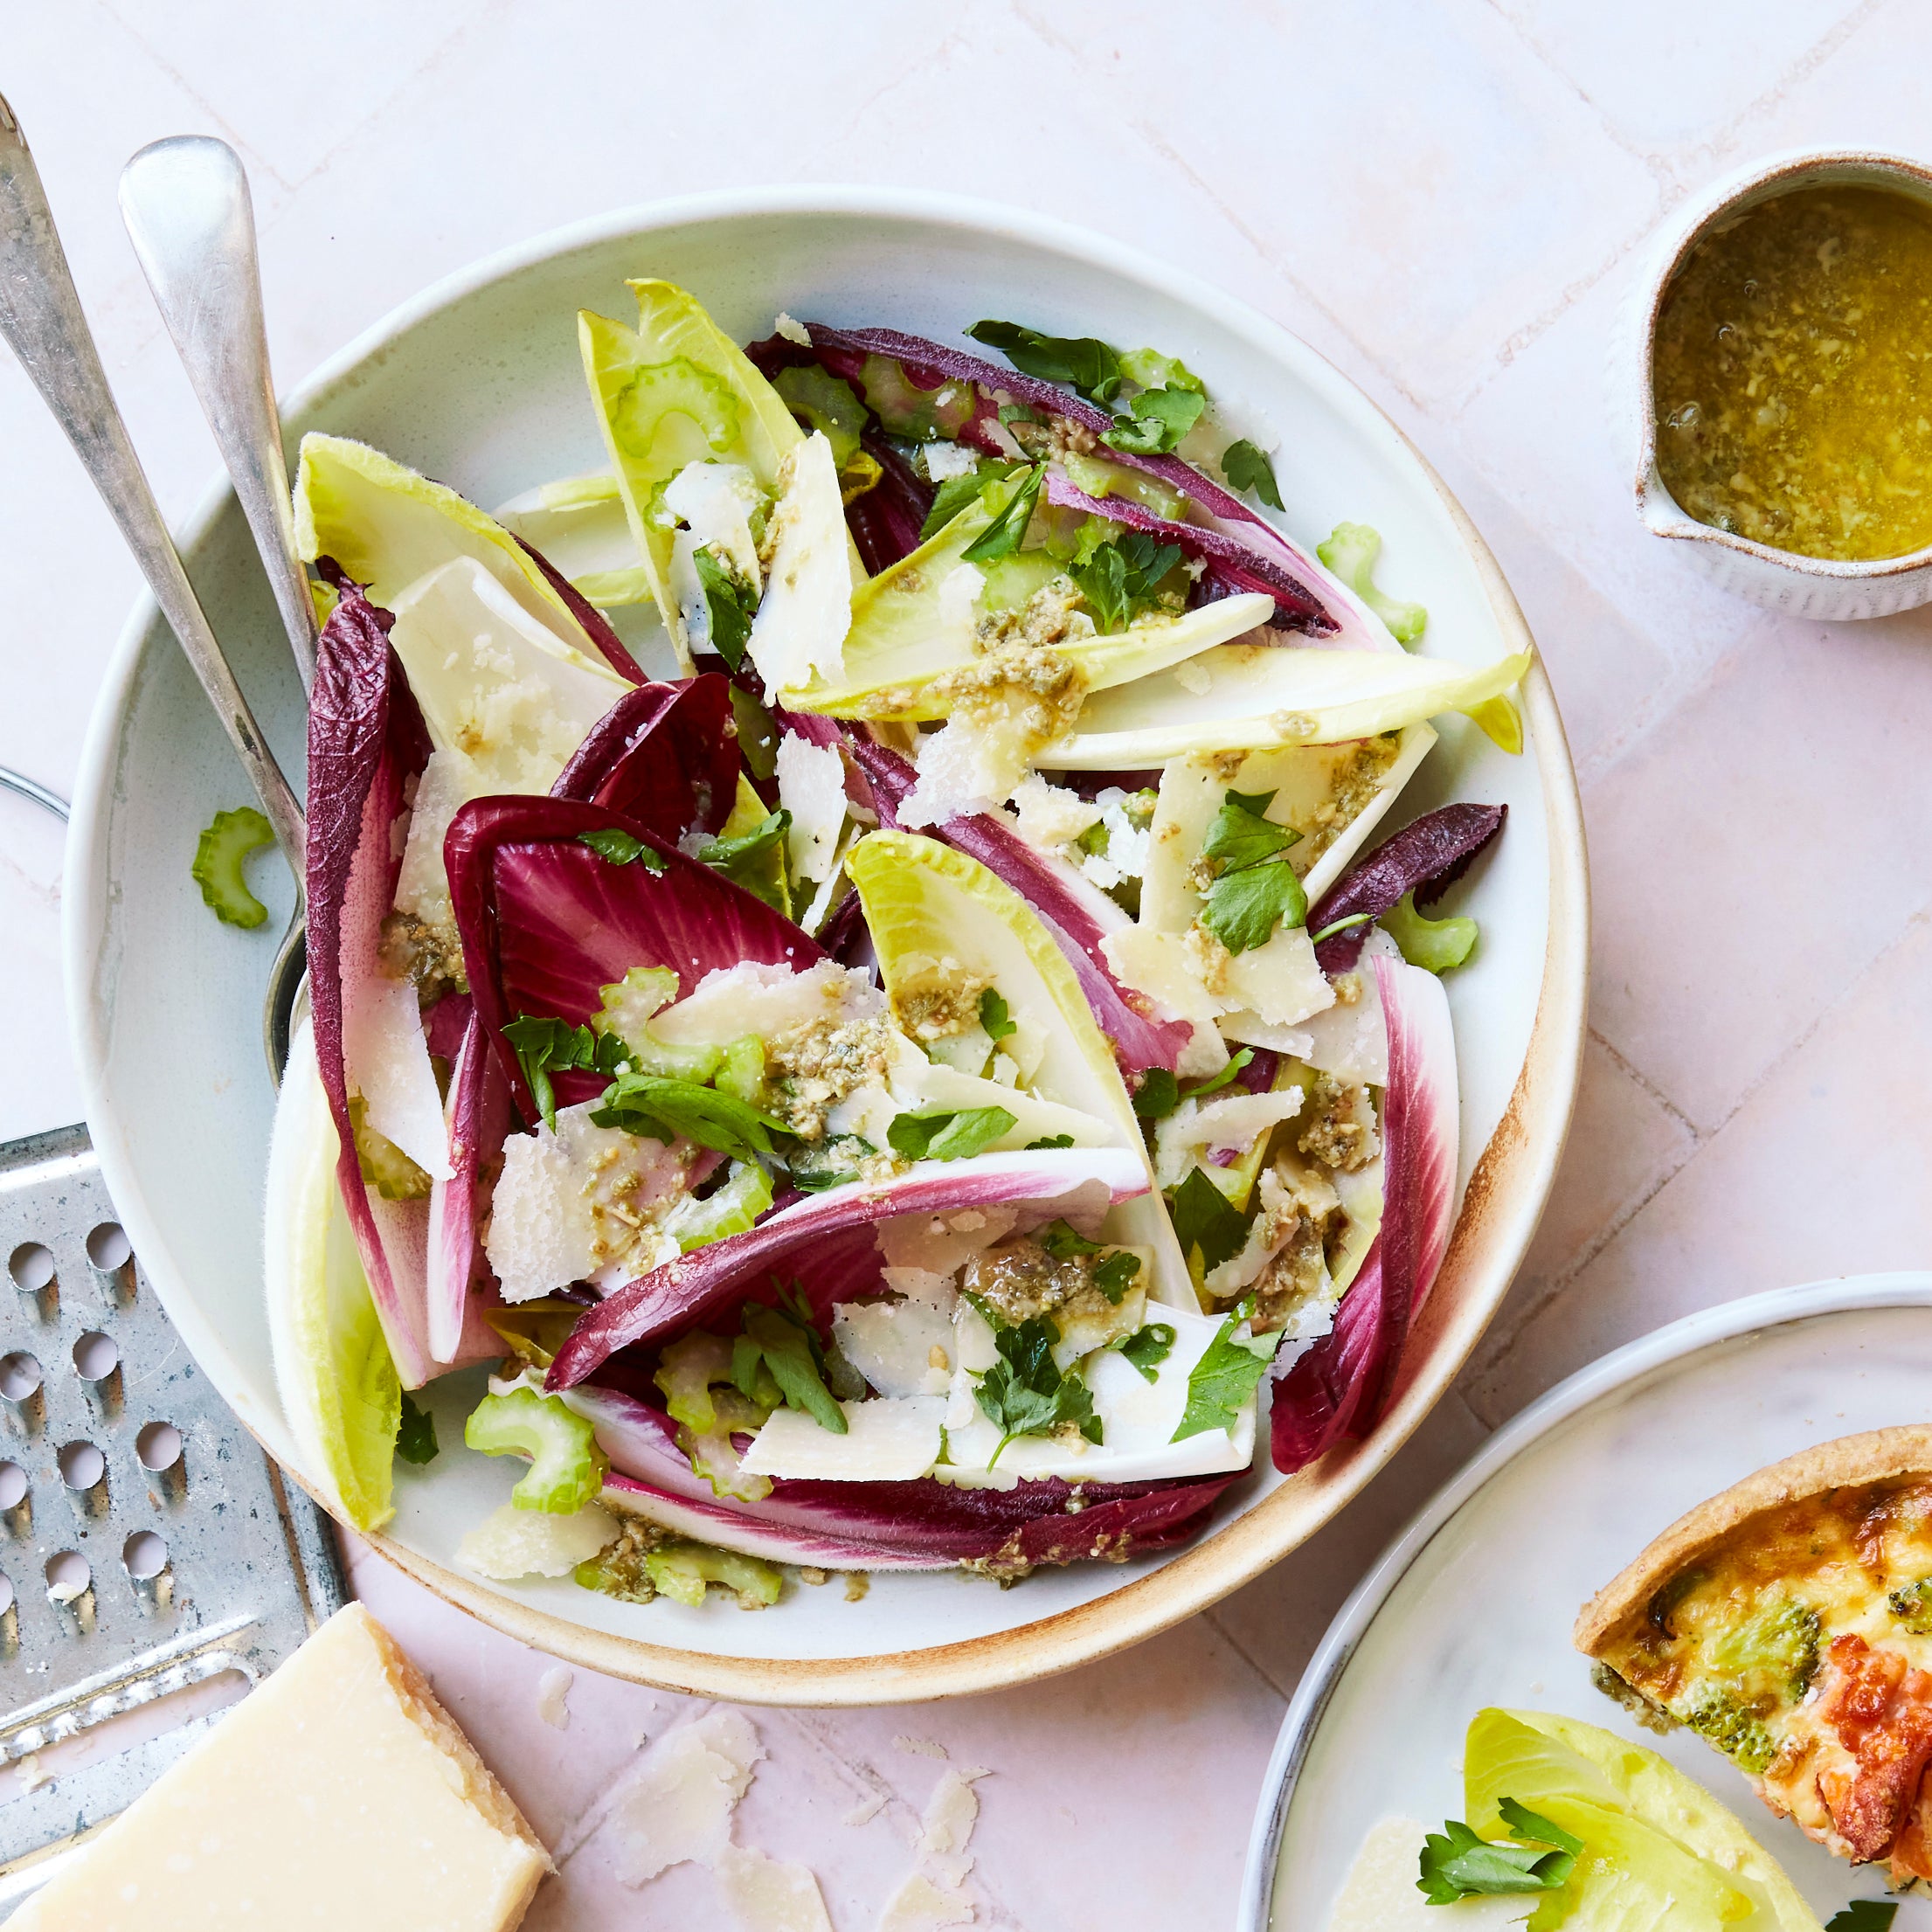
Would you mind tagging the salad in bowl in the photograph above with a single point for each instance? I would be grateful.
(862, 963)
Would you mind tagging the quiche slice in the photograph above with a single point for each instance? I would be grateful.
(1789, 1621)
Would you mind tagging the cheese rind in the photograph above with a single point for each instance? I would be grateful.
(338, 1793)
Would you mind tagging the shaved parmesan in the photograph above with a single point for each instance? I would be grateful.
(892, 1439)
(715, 501)
(941, 1246)
(582, 1203)
(1351, 1039)
(1198, 1130)
(675, 1807)
(799, 634)
(921, 1906)
(767, 1000)
(901, 1348)
(493, 681)
(553, 1689)
(766, 1895)
(515, 1542)
(1048, 815)
(792, 331)
(446, 785)
(951, 1813)
(812, 788)
(387, 1060)
(943, 460)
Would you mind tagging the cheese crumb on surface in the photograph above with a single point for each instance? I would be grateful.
(764, 1894)
(33, 1774)
(676, 1806)
(951, 1813)
(553, 1690)
(920, 1747)
(943, 460)
(866, 1809)
(792, 331)
(921, 1906)
(1050, 815)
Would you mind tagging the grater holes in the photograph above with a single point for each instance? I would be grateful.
(96, 1356)
(82, 1465)
(31, 1266)
(108, 1247)
(68, 1577)
(13, 1485)
(145, 1555)
(6, 1593)
(20, 1376)
(158, 1446)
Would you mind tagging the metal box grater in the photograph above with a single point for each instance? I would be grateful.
(148, 1544)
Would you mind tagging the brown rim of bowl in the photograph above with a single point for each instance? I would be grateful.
(1498, 1215)
(1735, 194)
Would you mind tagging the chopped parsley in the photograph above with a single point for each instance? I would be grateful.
(1050, 1143)
(1255, 890)
(1121, 578)
(1024, 1394)
(1224, 1380)
(958, 493)
(416, 1437)
(658, 1104)
(996, 1017)
(1001, 538)
(1113, 1276)
(1247, 467)
(1158, 419)
(616, 847)
(1457, 1864)
(730, 601)
(1864, 1916)
(785, 1341)
(1065, 1243)
(1146, 1349)
(1158, 1095)
(1205, 1218)
(948, 1133)
(1086, 364)
(545, 1046)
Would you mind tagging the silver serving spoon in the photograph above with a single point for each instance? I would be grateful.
(41, 318)
(188, 211)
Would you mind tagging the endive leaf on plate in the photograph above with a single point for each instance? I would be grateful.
(1677, 1837)
(339, 1388)
(677, 390)
(388, 528)
(926, 903)
(915, 622)
(1256, 698)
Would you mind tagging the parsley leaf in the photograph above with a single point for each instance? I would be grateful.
(1864, 1916)
(1151, 370)
(1113, 1276)
(658, 1104)
(1243, 834)
(1119, 579)
(1146, 1349)
(1339, 926)
(1247, 467)
(1245, 908)
(1158, 1095)
(1088, 364)
(1205, 1218)
(617, 846)
(1235, 1064)
(1065, 1243)
(1023, 1394)
(1224, 1378)
(947, 1133)
(731, 600)
(1457, 1864)
(726, 855)
(996, 1017)
(785, 1342)
(958, 493)
(1001, 538)
(758, 734)
(1051, 1141)
(1257, 889)
(416, 1438)
(545, 1046)
(1159, 419)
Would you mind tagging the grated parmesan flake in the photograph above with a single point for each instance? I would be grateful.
(675, 1808)
(764, 1894)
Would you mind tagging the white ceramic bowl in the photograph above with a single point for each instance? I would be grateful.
(1802, 586)
(1473, 1604)
(478, 383)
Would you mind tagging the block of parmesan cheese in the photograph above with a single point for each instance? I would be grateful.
(338, 1793)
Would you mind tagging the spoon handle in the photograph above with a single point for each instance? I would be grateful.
(40, 317)
(186, 204)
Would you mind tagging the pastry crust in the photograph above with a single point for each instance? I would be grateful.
(1879, 1454)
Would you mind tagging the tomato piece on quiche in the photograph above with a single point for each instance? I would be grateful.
(1789, 1621)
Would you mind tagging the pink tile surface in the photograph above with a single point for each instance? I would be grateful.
(1452, 202)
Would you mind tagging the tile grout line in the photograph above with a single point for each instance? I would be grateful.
(1211, 1616)
(1648, 1086)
